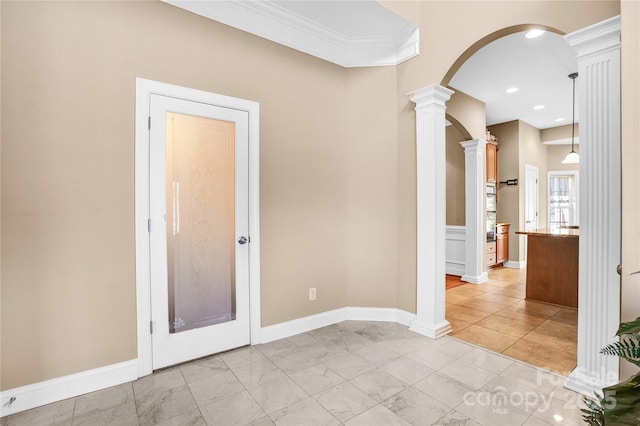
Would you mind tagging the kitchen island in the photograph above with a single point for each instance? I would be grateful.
(552, 266)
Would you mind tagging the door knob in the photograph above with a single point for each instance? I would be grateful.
(619, 270)
(242, 240)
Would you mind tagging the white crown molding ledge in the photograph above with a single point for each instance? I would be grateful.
(274, 21)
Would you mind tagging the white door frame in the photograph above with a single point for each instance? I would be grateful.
(144, 89)
(527, 189)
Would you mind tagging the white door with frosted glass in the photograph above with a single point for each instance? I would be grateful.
(198, 230)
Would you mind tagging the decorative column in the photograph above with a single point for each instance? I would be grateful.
(598, 91)
(475, 236)
(431, 210)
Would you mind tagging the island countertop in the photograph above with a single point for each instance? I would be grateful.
(562, 232)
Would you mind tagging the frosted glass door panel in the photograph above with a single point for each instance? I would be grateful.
(200, 221)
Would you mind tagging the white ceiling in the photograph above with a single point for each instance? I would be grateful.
(539, 67)
(365, 33)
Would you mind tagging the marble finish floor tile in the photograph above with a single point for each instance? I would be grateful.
(306, 412)
(354, 373)
(278, 394)
(416, 407)
(378, 415)
(407, 369)
(379, 384)
(345, 401)
(316, 379)
(56, 414)
(156, 407)
(237, 409)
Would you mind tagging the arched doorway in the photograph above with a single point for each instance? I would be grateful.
(598, 52)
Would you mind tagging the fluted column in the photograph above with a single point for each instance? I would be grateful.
(431, 205)
(598, 90)
(475, 236)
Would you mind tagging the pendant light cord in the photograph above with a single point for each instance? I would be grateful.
(573, 114)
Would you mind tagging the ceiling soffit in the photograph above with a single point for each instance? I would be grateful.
(322, 29)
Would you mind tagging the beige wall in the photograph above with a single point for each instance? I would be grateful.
(68, 80)
(533, 153)
(468, 112)
(630, 170)
(508, 135)
(557, 153)
(455, 178)
(371, 188)
(560, 132)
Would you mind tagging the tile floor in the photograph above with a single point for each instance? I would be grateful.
(495, 316)
(352, 373)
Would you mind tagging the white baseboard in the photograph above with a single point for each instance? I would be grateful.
(42, 393)
(312, 322)
(584, 384)
(482, 278)
(433, 332)
(454, 268)
(515, 264)
(380, 314)
(301, 325)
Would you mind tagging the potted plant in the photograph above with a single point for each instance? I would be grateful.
(619, 404)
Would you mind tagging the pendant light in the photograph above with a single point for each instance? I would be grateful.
(573, 157)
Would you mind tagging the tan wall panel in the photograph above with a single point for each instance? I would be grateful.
(455, 178)
(557, 153)
(560, 132)
(534, 153)
(372, 182)
(508, 135)
(630, 171)
(469, 112)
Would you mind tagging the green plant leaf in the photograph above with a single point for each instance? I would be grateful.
(621, 403)
(628, 348)
(630, 327)
(593, 415)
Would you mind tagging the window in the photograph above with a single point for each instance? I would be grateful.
(562, 199)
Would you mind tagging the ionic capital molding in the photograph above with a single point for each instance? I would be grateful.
(596, 39)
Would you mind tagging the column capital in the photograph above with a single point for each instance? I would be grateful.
(477, 144)
(596, 38)
(431, 95)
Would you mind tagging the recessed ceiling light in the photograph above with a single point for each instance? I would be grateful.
(559, 119)
(538, 107)
(512, 90)
(534, 33)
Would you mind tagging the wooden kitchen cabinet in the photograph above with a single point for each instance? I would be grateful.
(502, 243)
(492, 162)
(490, 253)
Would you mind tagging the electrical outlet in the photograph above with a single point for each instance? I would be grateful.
(312, 294)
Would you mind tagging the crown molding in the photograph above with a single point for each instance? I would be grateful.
(274, 22)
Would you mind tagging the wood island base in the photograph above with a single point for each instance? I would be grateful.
(552, 269)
